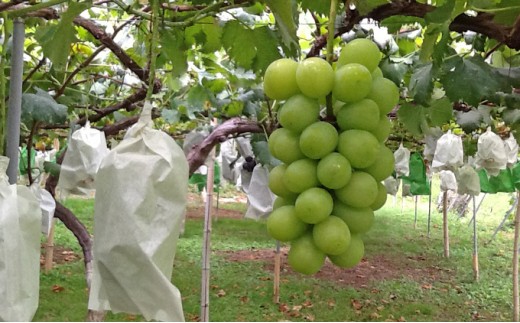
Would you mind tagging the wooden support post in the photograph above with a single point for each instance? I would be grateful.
(516, 302)
(49, 249)
(445, 224)
(276, 280)
(476, 274)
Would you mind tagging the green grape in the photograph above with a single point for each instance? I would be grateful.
(282, 201)
(332, 236)
(313, 205)
(360, 147)
(385, 93)
(334, 171)
(304, 257)
(383, 129)
(273, 137)
(377, 73)
(318, 140)
(352, 82)
(276, 184)
(353, 255)
(361, 190)
(363, 115)
(298, 113)
(284, 225)
(301, 175)
(384, 165)
(286, 146)
(362, 51)
(280, 79)
(359, 220)
(381, 197)
(315, 77)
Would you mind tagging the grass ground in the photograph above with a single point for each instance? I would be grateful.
(404, 276)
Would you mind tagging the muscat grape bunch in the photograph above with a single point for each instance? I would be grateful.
(328, 183)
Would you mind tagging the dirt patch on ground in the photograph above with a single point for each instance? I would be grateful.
(198, 212)
(60, 256)
(372, 268)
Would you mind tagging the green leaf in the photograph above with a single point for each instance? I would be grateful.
(239, 43)
(440, 112)
(57, 48)
(284, 12)
(469, 121)
(41, 107)
(469, 80)
(508, 12)
(394, 71)
(365, 6)
(261, 151)
(174, 50)
(421, 83)
(413, 118)
(394, 23)
(266, 48)
(171, 116)
(441, 13)
(206, 32)
(319, 7)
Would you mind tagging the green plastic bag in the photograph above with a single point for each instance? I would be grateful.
(503, 182)
(515, 174)
(418, 180)
(485, 185)
(22, 165)
(201, 179)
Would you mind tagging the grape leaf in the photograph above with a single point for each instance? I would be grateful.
(469, 121)
(239, 43)
(508, 12)
(320, 7)
(174, 50)
(206, 32)
(421, 83)
(469, 80)
(394, 23)
(286, 20)
(394, 71)
(413, 118)
(365, 6)
(261, 151)
(57, 46)
(440, 112)
(266, 48)
(441, 13)
(41, 107)
(171, 116)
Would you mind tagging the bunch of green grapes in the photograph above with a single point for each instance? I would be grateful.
(329, 182)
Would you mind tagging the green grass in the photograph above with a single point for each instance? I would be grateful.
(242, 291)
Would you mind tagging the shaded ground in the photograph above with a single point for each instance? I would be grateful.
(60, 255)
(372, 268)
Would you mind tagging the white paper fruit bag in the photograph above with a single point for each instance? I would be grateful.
(511, 148)
(449, 154)
(468, 181)
(20, 224)
(141, 194)
(448, 181)
(260, 199)
(86, 149)
(491, 153)
(402, 161)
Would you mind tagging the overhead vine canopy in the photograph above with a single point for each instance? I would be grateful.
(93, 56)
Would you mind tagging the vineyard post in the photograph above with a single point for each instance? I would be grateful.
(445, 224)
(415, 213)
(14, 111)
(516, 301)
(430, 208)
(475, 241)
(206, 249)
(277, 264)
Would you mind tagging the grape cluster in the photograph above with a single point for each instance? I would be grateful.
(329, 182)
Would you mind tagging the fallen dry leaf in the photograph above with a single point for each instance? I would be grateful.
(57, 288)
(307, 304)
(244, 299)
(374, 315)
(309, 317)
(221, 293)
(426, 286)
(356, 304)
(331, 303)
(283, 307)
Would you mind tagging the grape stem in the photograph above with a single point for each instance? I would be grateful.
(330, 48)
